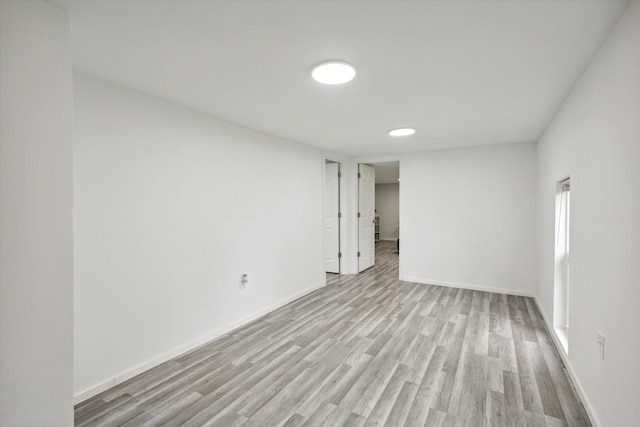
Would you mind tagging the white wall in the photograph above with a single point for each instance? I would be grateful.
(36, 249)
(171, 208)
(595, 138)
(388, 205)
(468, 217)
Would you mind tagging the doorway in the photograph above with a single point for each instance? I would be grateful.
(378, 210)
(388, 202)
(331, 221)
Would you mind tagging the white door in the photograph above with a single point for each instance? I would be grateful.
(331, 217)
(366, 216)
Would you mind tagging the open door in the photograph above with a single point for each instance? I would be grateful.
(366, 216)
(332, 218)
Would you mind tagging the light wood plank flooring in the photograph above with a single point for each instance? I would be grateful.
(365, 350)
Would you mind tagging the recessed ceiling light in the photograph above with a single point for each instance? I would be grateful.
(402, 132)
(333, 73)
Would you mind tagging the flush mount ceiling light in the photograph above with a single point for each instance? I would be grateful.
(402, 132)
(333, 73)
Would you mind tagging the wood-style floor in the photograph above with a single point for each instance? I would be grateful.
(365, 350)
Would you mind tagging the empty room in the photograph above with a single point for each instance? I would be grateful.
(305, 213)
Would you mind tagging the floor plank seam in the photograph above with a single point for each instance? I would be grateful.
(366, 349)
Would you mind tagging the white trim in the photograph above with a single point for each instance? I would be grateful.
(401, 202)
(352, 218)
(124, 376)
(468, 286)
(330, 155)
(323, 173)
(565, 359)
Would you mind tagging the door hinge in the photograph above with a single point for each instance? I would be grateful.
(358, 214)
(339, 214)
(339, 174)
(358, 254)
(359, 175)
(339, 254)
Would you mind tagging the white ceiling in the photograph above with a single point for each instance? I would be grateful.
(463, 73)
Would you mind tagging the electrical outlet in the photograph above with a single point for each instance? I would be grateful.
(601, 345)
(244, 281)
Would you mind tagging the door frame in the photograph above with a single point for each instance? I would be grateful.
(324, 213)
(349, 208)
(372, 160)
(345, 267)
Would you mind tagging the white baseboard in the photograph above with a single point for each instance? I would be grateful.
(572, 376)
(130, 373)
(469, 286)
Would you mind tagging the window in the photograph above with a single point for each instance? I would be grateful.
(562, 258)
